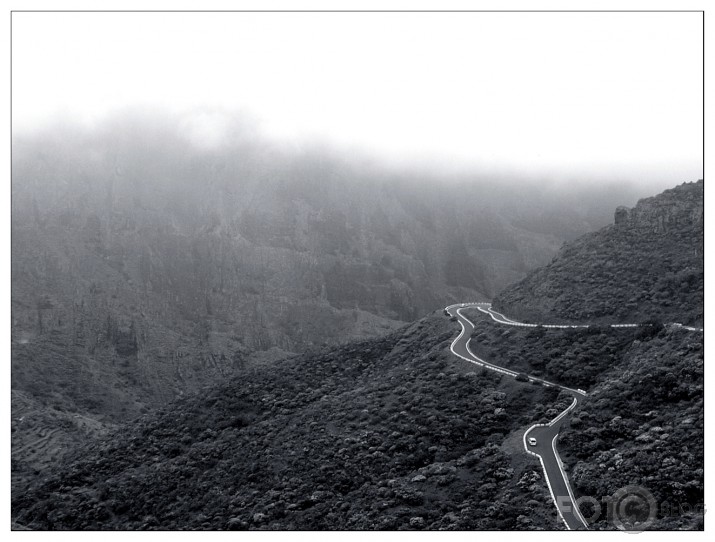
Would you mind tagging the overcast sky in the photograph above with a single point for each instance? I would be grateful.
(544, 93)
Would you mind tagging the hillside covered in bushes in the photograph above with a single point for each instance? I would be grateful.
(392, 433)
(647, 265)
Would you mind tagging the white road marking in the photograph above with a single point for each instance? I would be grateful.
(574, 506)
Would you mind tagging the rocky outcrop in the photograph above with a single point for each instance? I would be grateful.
(621, 218)
(678, 208)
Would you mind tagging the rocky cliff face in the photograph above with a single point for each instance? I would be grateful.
(673, 210)
(648, 264)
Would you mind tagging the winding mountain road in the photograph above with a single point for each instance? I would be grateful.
(545, 434)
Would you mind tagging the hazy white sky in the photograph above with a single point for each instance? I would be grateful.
(539, 92)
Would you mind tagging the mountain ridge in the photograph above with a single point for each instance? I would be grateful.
(615, 273)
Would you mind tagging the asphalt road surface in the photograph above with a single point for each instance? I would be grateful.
(545, 448)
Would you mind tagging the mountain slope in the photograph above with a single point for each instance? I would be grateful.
(392, 433)
(642, 423)
(647, 265)
(644, 427)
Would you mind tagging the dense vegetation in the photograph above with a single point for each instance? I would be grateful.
(571, 357)
(392, 433)
(643, 425)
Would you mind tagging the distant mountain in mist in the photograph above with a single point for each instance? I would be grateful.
(144, 267)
